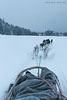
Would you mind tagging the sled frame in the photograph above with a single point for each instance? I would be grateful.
(21, 73)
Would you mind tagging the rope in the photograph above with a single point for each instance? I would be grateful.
(60, 94)
(40, 59)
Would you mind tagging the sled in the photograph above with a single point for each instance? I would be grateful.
(21, 74)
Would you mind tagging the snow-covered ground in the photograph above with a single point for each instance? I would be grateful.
(16, 55)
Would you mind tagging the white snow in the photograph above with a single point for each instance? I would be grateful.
(16, 55)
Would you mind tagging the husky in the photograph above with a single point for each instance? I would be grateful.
(42, 49)
(45, 46)
(35, 51)
(47, 41)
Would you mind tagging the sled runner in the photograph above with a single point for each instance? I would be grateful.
(40, 87)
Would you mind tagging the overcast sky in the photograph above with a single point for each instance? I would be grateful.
(35, 14)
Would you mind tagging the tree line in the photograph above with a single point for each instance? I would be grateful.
(9, 29)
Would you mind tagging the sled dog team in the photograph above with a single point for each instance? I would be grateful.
(42, 49)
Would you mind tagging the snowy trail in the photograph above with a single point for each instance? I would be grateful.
(15, 55)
